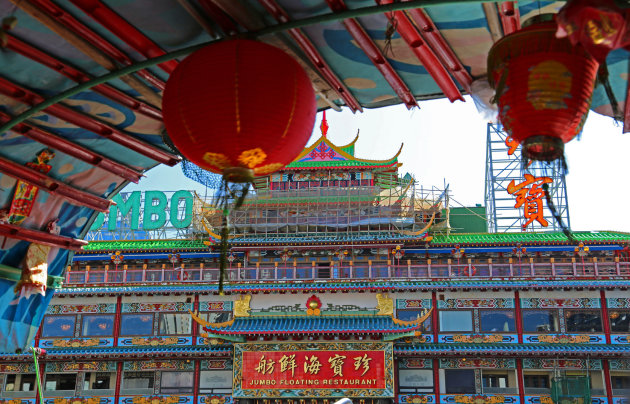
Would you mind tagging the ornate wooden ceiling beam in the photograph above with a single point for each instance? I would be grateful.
(118, 26)
(375, 55)
(89, 123)
(72, 149)
(40, 237)
(434, 38)
(313, 55)
(424, 54)
(89, 42)
(53, 186)
(74, 74)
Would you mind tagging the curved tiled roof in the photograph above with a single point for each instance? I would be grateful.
(530, 238)
(514, 349)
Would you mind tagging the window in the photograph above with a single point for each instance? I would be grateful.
(176, 382)
(174, 323)
(138, 380)
(23, 382)
(459, 381)
(60, 381)
(620, 321)
(497, 320)
(414, 314)
(58, 326)
(583, 320)
(98, 325)
(215, 317)
(540, 320)
(215, 381)
(456, 321)
(620, 382)
(536, 381)
(136, 324)
(415, 380)
(494, 381)
(97, 381)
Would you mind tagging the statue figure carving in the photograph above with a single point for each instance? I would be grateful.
(385, 305)
(241, 306)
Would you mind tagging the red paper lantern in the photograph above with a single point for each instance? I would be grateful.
(239, 108)
(543, 88)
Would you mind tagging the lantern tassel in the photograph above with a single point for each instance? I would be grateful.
(603, 78)
(552, 208)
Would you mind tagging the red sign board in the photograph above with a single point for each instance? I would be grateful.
(263, 370)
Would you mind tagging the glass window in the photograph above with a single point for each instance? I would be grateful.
(414, 314)
(540, 320)
(9, 383)
(620, 321)
(497, 320)
(98, 325)
(215, 381)
(23, 382)
(175, 323)
(456, 321)
(459, 381)
(176, 382)
(58, 326)
(494, 381)
(97, 381)
(138, 380)
(136, 324)
(620, 382)
(415, 380)
(60, 381)
(583, 320)
(536, 381)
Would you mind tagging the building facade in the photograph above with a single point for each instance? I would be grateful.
(345, 280)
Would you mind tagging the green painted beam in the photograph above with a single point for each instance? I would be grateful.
(319, 19)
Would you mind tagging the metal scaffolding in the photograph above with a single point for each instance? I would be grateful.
(501, 169)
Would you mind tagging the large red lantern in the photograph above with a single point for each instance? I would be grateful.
(543, 88)
(240, 108)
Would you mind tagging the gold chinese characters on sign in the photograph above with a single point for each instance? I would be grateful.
(529, 194)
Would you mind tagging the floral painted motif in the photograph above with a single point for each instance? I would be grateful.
(573, 303)
(76, 343)
(154, 341)
(479, 399)
(214, 400)
(77, 400)
(497, 303)
(159, 365)
(477, 338)
(81, 308)
(156, 307)
(457, 363)
(156, 400)
(564, 339)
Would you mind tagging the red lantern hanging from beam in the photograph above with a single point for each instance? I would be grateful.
(543, 88)
(239, 108)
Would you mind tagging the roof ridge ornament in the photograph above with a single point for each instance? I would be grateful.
(324, 126)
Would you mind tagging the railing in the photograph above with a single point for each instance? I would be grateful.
(589, 270)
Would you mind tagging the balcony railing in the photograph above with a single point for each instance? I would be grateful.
(590, 270)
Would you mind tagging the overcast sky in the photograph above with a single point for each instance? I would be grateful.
(446, 142)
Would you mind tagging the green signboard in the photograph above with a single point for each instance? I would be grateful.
(156, 211)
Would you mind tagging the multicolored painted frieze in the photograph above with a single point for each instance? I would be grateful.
(210, 341)
(154, 341)
(156, 399)
(496, 303)
(531, 363)
(494, 363)
(416, 398)
(159, 365)
(80, 367)
(478, 399)
(215, 306)
(564, 338)
(618, 303)
(79, 400)
(17, 401)
(17, 368)
(156, 307)
(570, 303)
(219, 364)
(215, 399)
(619, 364)
(415, 363)
(479, 338)
(413, 303)
(100, 308)
(621, 400)
(76, 342)
(335, 369)
(538, 400)
(620, 339)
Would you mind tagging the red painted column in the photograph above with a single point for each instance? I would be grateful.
(436, 379)
(396, 382)
(195, 330)
(434, 317)
(519, 316)
(117, 319)
(607, 381)
(605, 318)
(520, 380)
(196, 381)
(119, 370)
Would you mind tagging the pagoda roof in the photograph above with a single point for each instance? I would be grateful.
(313, 324)
(517, 350)
(323, 154)
(531, 238)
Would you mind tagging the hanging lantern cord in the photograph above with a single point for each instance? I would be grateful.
(603, 78)
(229, 195)
(567, 232)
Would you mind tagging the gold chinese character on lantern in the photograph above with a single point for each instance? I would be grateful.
(287, 362)
(312, 365)
(265, 366)
(336, 364)
(530, 198)
(362, 361)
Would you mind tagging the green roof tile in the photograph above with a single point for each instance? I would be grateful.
(511, 238)
(339, 163)
(144, 245)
